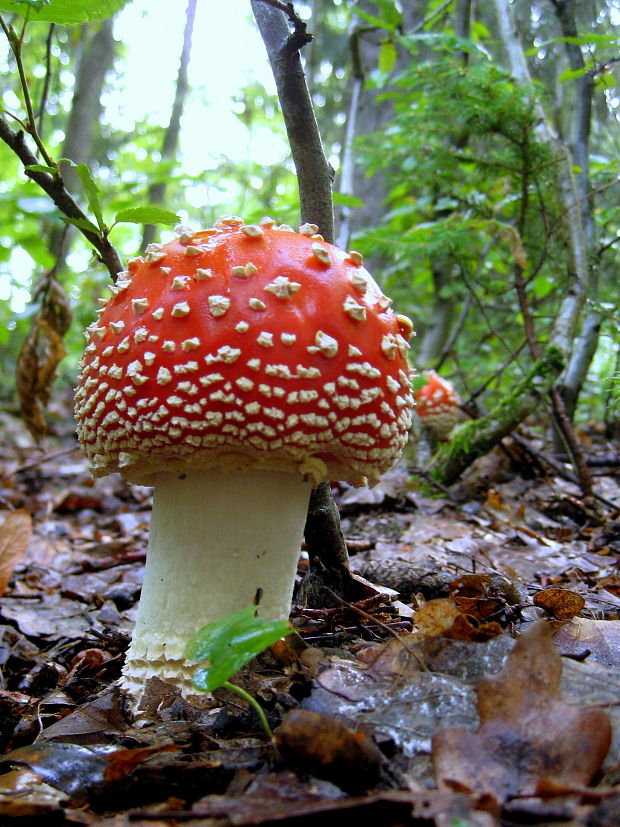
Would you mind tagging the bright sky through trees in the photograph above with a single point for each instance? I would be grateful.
(227, 53)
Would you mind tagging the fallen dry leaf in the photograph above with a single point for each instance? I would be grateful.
(15, 533)
(562, 603)
(435, 617)
(527, 732)
(443, 617)
(325, 747)
(598, 640)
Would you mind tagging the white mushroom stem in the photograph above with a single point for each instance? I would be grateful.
(217, 541)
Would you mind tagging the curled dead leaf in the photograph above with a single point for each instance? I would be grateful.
(325, 747)
(38, 359)
(15, 533)
(435, 617)
(446, 617)
(598, 640)
(40, 355)
(562, 603)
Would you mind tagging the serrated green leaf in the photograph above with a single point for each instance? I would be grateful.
(230, 643)
(64, 12)
(91, 191)
(146, 215)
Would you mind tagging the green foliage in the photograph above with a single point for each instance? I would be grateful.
(230, 643)
(472, 200)
(64, 12)
(146, 215)
(387, 16)
(227, 645)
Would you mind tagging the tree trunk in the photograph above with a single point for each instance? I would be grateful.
(97, 53)
(587, 342)
(579, 278)
(369, 116)
(565, 324)
(327, 550)
(157, 191)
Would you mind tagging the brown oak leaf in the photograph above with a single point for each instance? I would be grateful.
(527, 732)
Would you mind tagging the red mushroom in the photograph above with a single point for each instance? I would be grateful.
(437, 404)
(234, 369)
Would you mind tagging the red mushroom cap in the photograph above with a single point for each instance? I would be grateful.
(245, 345)
(437, 402)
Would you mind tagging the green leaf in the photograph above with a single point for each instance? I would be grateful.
(82, 224)
(542, 285)
(65, 12)
(419, 382)
(375, 21)
(479, 30)
(92, 192)
(41, 168)
(146, 215)
(387, 57)
(342, 200)
(229, 643)
(571, 74)
(606, 80)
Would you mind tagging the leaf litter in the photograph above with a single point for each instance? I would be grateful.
(473, 681)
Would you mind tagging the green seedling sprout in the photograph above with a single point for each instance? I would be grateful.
(228, 644)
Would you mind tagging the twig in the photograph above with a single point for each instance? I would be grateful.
(315, 176)
(16, 43)
(559, 469)
(40, 461)
(420, 472)
(46, 82)
(380, 624)
(314, 173)
(565, 427)
(301, 36)
(54, 186)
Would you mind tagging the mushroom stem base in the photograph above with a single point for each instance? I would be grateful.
(219, 542)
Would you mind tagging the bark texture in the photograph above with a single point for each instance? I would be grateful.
(314, 173)
(325, 542)
(96, 57)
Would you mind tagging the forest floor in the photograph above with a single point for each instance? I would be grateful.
(475, 681)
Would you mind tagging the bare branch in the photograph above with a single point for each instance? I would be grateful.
(300, 36)
(314, 173)
(54, 187)
(324, 536)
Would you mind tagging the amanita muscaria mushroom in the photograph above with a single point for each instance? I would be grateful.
(437, 404)
(234, 369)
